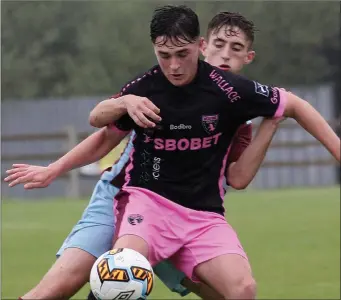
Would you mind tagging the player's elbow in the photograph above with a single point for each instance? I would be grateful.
(239, 186)
(238, 183)
(94, 120)
(236, 177)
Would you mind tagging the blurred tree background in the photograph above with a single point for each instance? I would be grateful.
(85, 48)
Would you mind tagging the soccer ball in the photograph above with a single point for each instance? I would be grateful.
(121, 274)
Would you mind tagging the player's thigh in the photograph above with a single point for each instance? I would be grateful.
(100, 208)
(89, 238)
(134, 242)
(171, 277)
(133, 221)
(95, 230)
(178, 282)
(142, 225)
(212, 241)
(220, 260)
(209, 236)
(201, 289)
(93, 239)
(66, 276)
(73, 265)
(228, 274)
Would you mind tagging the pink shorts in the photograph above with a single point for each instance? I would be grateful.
(186, 236)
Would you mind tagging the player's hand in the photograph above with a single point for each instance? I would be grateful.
(142, 111)
(31, 176)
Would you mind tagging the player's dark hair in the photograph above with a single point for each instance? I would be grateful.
(178, 23)
(231, 20)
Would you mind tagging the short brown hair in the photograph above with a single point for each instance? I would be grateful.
(231, 20)
(176, 23)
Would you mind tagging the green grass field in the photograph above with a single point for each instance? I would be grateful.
(292, 238)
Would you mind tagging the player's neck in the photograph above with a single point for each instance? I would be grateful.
(195, 74)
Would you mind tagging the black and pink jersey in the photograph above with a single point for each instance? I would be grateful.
(183, 159)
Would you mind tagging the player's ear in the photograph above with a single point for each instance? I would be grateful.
(250, 57)
(203, 46)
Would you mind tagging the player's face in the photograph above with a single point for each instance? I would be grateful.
(229, 52)
(179, 63)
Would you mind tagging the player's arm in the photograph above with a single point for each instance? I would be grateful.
(259, 100)
(242, 171)
(88, 151)
(109, 111)
(312, 121)
(132, 101)
(138, 108)
(240, 142)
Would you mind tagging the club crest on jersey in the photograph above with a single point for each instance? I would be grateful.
(210, 123)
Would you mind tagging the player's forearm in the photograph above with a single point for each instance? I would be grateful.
(314, 123)
(107, 111)
(88, 151)
(242, 172)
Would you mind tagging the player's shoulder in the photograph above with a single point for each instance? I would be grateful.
(227, 81)
(215, 74)
(141, 82)
(223, 82)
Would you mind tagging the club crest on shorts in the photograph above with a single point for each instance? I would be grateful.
(135, 219)
(209, 122)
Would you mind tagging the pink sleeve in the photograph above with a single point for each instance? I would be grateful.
(282, 103)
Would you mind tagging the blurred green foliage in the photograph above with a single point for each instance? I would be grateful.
(85, 48)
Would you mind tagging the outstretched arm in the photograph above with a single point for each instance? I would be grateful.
(261, 100)
(88, 151)
(312, 122)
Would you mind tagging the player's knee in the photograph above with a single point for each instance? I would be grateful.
(202, 290)
(133, 242)
(245, 289)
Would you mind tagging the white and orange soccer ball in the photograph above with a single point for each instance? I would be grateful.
(121, 274)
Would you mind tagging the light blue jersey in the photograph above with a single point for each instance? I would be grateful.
(116, 169)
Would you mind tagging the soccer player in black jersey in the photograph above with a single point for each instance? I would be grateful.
(184, 127)
(174, 182)
(232, 52)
